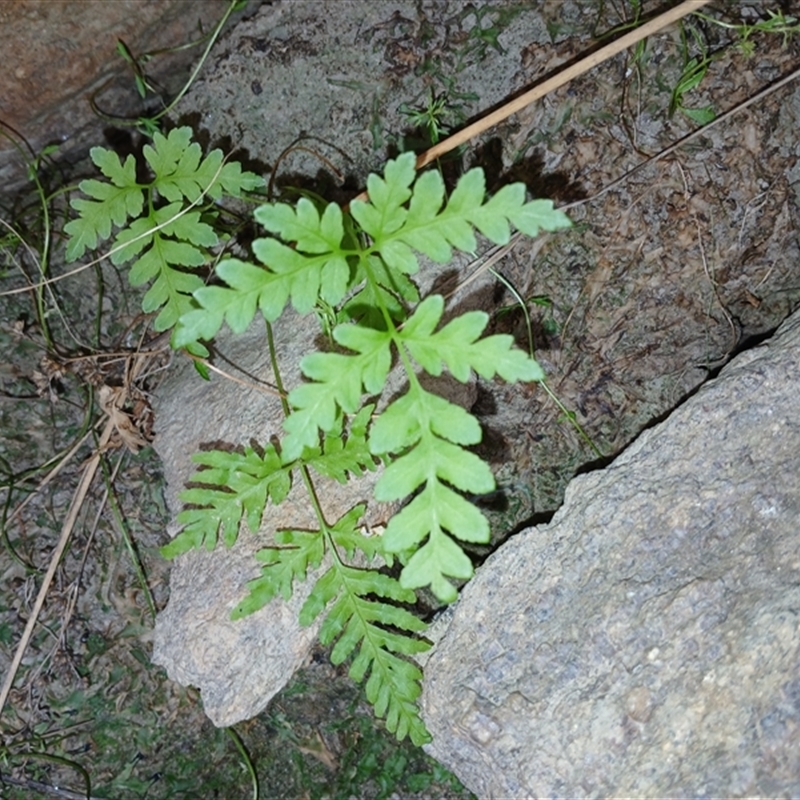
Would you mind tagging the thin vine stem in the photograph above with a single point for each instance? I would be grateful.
(569, 415)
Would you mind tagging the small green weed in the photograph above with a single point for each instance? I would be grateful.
(434, 119)
(697, 54)
(149, 124)
(695, 67)
(776, 22)
(694, 70)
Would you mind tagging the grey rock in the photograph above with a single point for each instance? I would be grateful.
(647, 640)
(343, 75)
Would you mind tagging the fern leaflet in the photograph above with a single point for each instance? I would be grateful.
(357, 618)
(167, 238)
(230, 486)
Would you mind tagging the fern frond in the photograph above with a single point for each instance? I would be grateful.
(165, 249)
(316, 267)
(364, 261)
(303, 225)
(180, 173)
(231, 486)
(431, 456)
(113, 203)
(384, 213)
(289, 561)
(430, 229)
(356, 622)
(342, 456)
(163, 255)
(428, 435)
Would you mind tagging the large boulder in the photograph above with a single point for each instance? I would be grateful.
(647, 640)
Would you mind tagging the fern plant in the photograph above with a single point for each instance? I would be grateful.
(356, 265)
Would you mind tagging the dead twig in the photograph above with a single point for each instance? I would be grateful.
(77, 501)
(551, 84)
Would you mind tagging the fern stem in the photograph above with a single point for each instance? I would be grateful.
(273, 360)
(390, 326)
(305, 474)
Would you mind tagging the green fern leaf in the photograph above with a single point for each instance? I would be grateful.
(317, 266)
(172, 287)
(434, 458)
(427, 431)
(232, 180)
(456, 345)
(357, 622)
(174, 160)
(296, 276)
(186, 227)
(431, 230)
(433, 564)
(304, 226)
(342, 456)
(297, 551)
(180, 174)
(235, 304)
(538, 215)
(114, 203)
(408, 418)
(384, 213)
(305, 276)
(231, 486)
(434, 511)
(336, 382)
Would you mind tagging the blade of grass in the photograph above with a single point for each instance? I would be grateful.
(122, 529)
(248, 761)
(569, 415)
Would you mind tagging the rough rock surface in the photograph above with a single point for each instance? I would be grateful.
(647, 641)
(343, 77)
(58, 55)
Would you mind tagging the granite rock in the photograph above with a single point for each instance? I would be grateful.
(647, 640)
